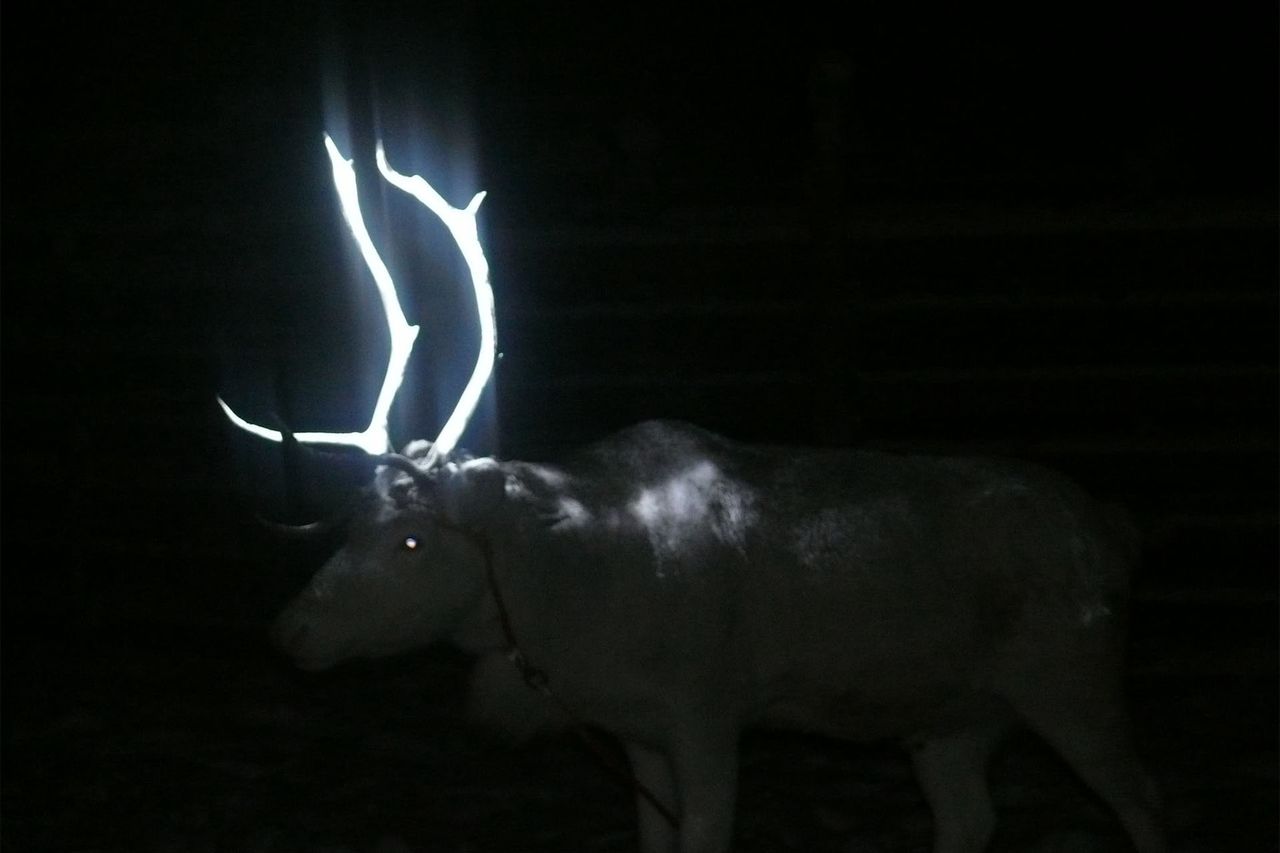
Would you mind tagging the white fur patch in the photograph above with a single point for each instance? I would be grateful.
(681, 510)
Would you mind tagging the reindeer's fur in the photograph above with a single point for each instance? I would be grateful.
(679, 587)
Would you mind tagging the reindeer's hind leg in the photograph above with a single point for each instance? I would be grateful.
(1095, 742)
(1074, 700)
(952, 772)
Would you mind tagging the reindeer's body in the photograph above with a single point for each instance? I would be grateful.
(678, 588)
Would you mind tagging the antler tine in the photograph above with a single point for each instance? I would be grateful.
(301, 532)
(321, 527)
(462, 225)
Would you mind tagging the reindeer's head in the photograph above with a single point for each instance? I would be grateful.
(412, 569)
(412, 564)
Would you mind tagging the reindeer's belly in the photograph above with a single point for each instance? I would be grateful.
(865, 715)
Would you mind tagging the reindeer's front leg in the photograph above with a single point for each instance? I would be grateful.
(705, 766)
(653, 771)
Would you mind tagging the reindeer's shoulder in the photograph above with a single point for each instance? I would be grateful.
(654, 445)
(667, 434)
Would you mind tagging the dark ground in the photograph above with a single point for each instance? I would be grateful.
(180, 738)
(964, 233)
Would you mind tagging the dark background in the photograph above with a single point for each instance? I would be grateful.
(1049, 235)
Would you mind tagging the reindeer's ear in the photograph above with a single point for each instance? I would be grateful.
(473, 492)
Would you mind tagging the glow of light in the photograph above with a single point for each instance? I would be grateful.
(374, 439)
(462, 225)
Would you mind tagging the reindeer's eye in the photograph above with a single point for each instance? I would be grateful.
(410, 543)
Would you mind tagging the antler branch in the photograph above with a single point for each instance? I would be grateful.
(462, 225)
(374, 439)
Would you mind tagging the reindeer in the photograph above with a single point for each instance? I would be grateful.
(673, 588)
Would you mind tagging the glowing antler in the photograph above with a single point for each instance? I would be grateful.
(462, 225)
(374, 439)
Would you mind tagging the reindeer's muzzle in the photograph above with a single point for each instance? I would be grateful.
(294, 634)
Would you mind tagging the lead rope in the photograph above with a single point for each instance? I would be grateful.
(538, 680)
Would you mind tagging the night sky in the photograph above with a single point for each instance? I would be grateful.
(1047, 233)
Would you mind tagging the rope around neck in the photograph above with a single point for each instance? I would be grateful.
(538, 680)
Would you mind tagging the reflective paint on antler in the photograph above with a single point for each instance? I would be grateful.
(462, 225)
(374, 439)
(402, 334)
